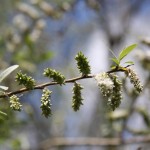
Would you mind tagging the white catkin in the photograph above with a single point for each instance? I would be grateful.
(105, 84)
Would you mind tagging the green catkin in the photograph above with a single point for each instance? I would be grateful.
(77, 97)
(46, 103)
(83, 64)
(55, 75)
(116, 97)
(14, 103)
(25, 80)
(134, 79)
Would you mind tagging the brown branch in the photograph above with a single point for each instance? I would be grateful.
(41, 86)
(91, 141)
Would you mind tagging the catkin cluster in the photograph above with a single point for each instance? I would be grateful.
(108, 82)
(110, 87)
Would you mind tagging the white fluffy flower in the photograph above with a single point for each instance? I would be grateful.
(105, 84)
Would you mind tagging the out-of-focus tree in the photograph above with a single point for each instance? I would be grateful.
(25, 39)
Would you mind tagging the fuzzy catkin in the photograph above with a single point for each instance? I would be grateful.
(134, 79)
(14, 103)
(116, 96)
(77, 96)
(105, 84)
(45, 103)
(111, 88)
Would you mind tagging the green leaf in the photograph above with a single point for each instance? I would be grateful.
(113, 53)
(6, 72)
(115, 61)
(126, 51)
(113, 67)
(129, 62)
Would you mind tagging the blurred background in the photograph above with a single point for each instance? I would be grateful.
(36, 34)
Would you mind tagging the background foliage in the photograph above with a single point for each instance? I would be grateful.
(36, 34)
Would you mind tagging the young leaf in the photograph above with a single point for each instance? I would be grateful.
(113, 53)
(6, 72)
(113, 67)
(129, 62)
(126, 51)
(115, 60)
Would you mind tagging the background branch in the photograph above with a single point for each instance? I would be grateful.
(55, 142)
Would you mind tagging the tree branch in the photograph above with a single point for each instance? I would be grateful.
(41, 86)
(55, 142)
